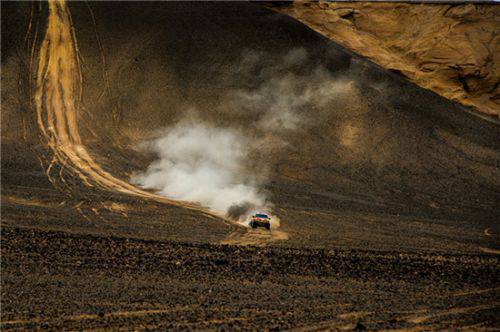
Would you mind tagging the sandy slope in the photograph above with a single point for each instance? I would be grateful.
(371, 160)
(450, 49)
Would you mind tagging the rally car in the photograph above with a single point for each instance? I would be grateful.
(260, 220)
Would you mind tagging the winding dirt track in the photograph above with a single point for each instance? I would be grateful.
(59, 81)
(58, 90)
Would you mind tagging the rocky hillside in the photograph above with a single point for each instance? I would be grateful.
(453, 50)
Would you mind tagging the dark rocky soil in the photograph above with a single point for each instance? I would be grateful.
(55, 280)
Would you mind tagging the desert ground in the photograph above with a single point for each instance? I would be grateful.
(386, 192)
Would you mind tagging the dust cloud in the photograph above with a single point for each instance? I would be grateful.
(199, 162)
(237, 211)
(227, 168)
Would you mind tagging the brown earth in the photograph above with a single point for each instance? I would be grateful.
(388, 197)
(451, 49)
(53, 280)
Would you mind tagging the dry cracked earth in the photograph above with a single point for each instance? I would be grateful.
(387, 195)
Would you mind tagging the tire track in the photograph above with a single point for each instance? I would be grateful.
(58, 85)
(58, 89)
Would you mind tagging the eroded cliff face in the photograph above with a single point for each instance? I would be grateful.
(453, 50)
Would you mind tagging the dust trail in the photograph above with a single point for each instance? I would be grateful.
(202, 163)
(58, 87)
(226, 168)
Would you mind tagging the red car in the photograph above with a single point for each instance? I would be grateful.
(260, 220)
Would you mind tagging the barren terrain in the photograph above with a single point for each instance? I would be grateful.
(387, 194)
(109, 282)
